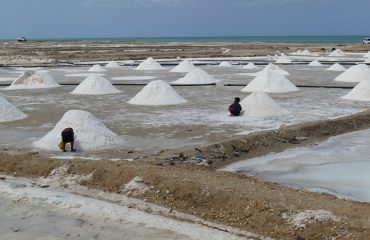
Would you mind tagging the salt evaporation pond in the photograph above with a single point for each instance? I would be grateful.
(339, 166)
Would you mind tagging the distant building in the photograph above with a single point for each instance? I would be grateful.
(21, 40)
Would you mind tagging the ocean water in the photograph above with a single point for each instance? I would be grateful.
(266, 39)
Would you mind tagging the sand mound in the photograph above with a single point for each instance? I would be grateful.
(250, 66)
(32, 80)
(225, 64)
(90, 133)
(95, 84)
(283, 59)
(197, 76)
(149, 65)
(8, 112)
(259, 104)
(355, 73)
(270, 81)
(336, 67)
(184, 66)
(157, 93)
(337, 53)
(360, 93)
(315, 64)
(112, 64)
(97, 68)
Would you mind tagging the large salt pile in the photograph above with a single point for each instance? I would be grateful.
(196, 77)
(359, 93)
(8, 112)
(270, 81)
(97, 68)
(90, 133)
(225, 64)
(95, 84)
(149, 65)
(157, 93)
(33, 79)
(112, 64)
(250, 66)
(283, 59)
(336, 67)
(355, 73)
(337, 53)
(259, 104)
(184, 66)
(315, 64)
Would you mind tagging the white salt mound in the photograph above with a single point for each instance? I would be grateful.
(336, 67)
(225, 64)
(149, 65)
(32, 80)
(271, 67)
(97, 68)
(270, 81)
(197, 76)
(355, 73)
(112, 64)
(157, 93)
(184, 66)
(304, 53)
(367, 55)
(283, 59)
(250, 66)
(259, 104)
(315, 64)
(8, 112)
(359, 93)
(90, 133)
(337, 53)
(95, 84)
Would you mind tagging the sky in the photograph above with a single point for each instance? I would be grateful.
(182, 18)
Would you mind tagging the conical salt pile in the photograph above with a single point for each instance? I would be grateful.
(337, 53)
(95, 84)
(259, 104)
(90, 133)
(196, 77)
(272, 67)
(336, 67)
(225, 64)
(283, 59)
(8, 112)
(360, 93)
(184, 67)
(355, 73)
(315, 64)
(112, 64)
(270, 81)
(157, 93)
(250, 66)
(367, 55)
(97, 68)
(149, 65)
(33, 80)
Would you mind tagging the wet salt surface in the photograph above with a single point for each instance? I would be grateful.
(339, 166)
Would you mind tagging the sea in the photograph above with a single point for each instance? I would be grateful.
(265, 39)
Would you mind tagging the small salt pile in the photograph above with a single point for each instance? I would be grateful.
(259, 104)
(32, 80)
(157, 93)
(128, 62)
(90, 133)
(336, 67)
(95, 84)
(304, 53)
(359, 93)
(196, 77)
(184, 67)
(97, 68)
(272, 67)
(149, 65)
(283, 59)
(315, 64)
(270, 81)
(225, 64)
(337, 53)
(9, 112)
(355, 73)
(112, 64)
(250, 66)
(367, 55)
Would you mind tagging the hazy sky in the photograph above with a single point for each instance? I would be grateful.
(156, 18)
